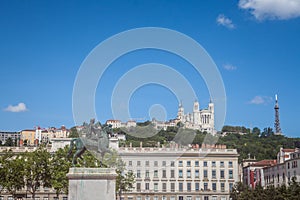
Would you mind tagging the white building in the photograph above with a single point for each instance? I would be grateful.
(203, 120)
(287, 167)
(181, 173)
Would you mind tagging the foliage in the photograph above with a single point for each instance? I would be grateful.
(242, 192)
(73, 133)
(59, 167)
(37, 170)
(124, 182)
(12, 173)
(9, 142)
(235, 129)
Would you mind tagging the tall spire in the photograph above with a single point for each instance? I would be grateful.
(277, 122)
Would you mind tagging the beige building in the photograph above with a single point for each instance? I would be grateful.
(181, 173)
(27, 136)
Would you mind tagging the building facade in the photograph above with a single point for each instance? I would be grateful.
(287, 168)
(181, 173)
(199, 119)
(4, 135)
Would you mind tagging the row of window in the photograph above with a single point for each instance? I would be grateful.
(188, 163)
(188, 174)
(204, 187)
(177, 198)
(36, 198)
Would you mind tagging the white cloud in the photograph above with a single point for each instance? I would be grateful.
(224, 21)
(272, 9)
(261, 100)
(229, 67)
(21, 107)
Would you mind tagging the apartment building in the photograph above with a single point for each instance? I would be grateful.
(206, 173)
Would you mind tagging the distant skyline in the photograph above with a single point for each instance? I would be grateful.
(254, 43)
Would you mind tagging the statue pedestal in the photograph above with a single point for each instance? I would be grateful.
(92, 184)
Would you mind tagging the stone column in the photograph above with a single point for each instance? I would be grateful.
(92, 184)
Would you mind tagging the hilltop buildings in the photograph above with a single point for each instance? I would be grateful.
(199, 119)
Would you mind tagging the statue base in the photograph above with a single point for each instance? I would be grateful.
(92, 184)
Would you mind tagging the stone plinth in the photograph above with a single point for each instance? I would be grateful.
(92, 183)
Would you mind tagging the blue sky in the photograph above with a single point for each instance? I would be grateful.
(254, 43)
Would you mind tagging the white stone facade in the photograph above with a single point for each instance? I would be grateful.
(203, 120)
(181, 174)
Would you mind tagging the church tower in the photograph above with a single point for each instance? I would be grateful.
(277, 123)
(180, 113)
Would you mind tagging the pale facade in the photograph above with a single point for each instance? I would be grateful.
(288, 166)
(199, 119)
(181, 174)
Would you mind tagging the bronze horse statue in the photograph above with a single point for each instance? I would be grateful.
(95, 136)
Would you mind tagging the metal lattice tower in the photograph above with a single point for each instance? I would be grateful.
(277, 122)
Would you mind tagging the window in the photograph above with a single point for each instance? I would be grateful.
(213, 173)
(214, 186)
(147, 186)
(138, 173)
(222, 163)
(155, 173)
(188, 186)
(214, 198)
(172, 198)
(180, 163)
(138, 163)
(222, 174)
(155, 187)
(222, 187)
(147, 163)
(164, 187)
(197, 173)
(197, 186)
(205, 173)
(230, 173)
(130, 163)
(147, 174)
(188, 173)
(138, 198)
(155, 198)
(213, 163)
(180, 186)
(196, 163)
(205, 186)
(206, 198)
(172, 173)
(189, 198)
(172, 164)
(230, 164)
(164, 173)
(172, 187)
(164, 163)
(230, 186)
(138, 186)
(155, 163)
(197, 198)
(164, 198)
(188, 163)
(205, 163)
(180, 175)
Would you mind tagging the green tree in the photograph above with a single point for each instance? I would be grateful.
(12, 172)
(37, 170)
(9, 142)
(60, 165)
(73, 133)
(124, 181)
